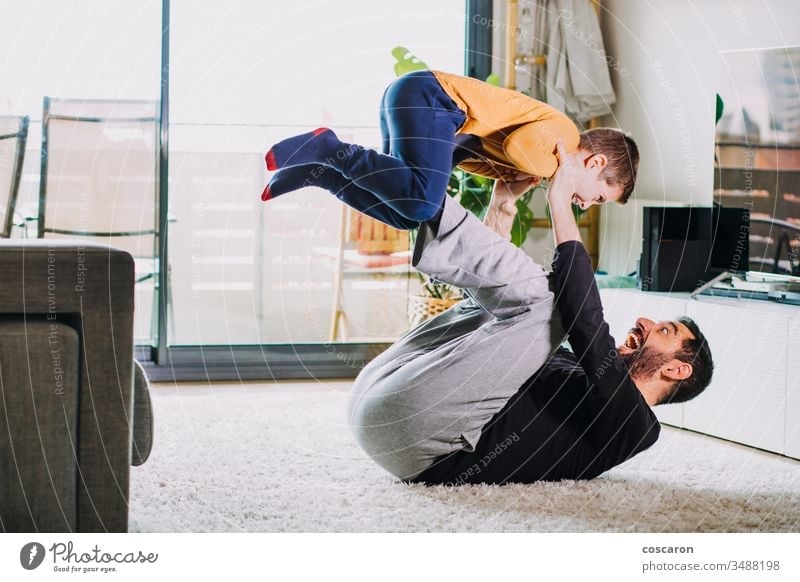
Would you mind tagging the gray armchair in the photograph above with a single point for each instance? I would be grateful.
(74, 406)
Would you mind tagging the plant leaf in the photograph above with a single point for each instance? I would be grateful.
(406, 61)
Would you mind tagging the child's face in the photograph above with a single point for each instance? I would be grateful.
(591, 188)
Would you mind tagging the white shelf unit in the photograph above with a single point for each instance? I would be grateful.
(754, 398)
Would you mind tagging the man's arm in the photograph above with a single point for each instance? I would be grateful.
(621, 423)
(577, 297)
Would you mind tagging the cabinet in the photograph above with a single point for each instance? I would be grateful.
(754, 398)
(745, 402)
(793, 389)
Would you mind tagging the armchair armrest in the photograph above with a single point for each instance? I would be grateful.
(91, 288)
(142, 417)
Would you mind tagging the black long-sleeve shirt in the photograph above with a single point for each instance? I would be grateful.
(578, 416)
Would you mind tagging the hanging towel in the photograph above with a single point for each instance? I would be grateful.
(578, 81)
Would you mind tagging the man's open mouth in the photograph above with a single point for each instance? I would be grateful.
(634, 340)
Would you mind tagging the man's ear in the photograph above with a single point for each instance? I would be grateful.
(676, 370)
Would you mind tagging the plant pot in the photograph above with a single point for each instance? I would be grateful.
(422, 308)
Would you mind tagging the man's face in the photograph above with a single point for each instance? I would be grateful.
(650, 346)
(591, 188)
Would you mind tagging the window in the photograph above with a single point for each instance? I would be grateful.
(242, 77)
(247, 283)
(89, 54)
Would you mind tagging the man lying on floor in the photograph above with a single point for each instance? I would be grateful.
(485, 393)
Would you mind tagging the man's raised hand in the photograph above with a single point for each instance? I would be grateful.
(564, 182)
(559, 197)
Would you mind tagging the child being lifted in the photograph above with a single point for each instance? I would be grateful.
(431, 122)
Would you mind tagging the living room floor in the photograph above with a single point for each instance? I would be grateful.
(279, 457)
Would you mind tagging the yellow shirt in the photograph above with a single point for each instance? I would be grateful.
(517, 132)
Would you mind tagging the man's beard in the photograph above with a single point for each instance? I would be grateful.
(645, 362)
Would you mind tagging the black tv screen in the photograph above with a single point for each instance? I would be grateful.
(684, 247)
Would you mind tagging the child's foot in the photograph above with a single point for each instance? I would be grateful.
(307, 148)
(294, 178)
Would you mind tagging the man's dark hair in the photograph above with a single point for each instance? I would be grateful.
(697, 353)
(622, 154)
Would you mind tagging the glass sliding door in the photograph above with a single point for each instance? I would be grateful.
(302, 269)
(300, 286)
(86, 75)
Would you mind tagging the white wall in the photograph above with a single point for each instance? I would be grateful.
(664, 70)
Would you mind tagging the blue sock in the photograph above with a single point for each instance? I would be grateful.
(307, 148)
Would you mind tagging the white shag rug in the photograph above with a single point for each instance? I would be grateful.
(279, 457)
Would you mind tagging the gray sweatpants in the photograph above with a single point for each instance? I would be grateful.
(434, 390)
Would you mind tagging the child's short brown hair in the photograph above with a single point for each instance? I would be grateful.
(622, 154)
